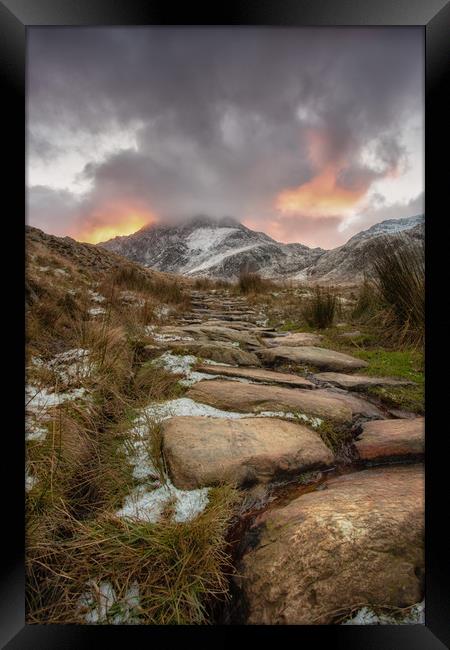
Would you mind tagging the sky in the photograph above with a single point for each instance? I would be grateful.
(307, 134)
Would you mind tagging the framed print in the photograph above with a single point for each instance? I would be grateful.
(231, 238)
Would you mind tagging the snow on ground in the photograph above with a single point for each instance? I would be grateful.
(162, 311)
(96, 311)
(97, 604)
(97, 297)
(219, 257)
(366, 616)
(187, 406)
(148, 505)
(131, 297)
(38, 399)
(182, 364)
(33, 431)
(30, 480)
(203, 239)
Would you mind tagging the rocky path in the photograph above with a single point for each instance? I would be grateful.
(285, 411)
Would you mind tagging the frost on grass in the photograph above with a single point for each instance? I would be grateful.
(415, 615)
(100, 604)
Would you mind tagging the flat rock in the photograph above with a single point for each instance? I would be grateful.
(312, 356)
(358, 405)
(258, 374)
(256, 398)
(220, 352)
(202, 451)
(391, 439)
(297, 338)
(221, 333)
(358, 382)
(331, 551)
(350, 335)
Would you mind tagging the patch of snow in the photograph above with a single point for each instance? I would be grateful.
(143, 467)
(148, 505)
(30, 480)
(181, 364)
(203, 239)
(131, 297)
(162, 311)
(38, 399)
(218, 258)
(366, 616)
(96, 311)
(187, 406)
(314, 422)
(101, 598)
(33, 431)
(97, 297)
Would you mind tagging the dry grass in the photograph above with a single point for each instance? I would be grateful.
(400, 282)
(82, 468)
(179, 568)
(251, 283)
(319, 310)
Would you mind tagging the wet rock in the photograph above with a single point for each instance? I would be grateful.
(391, 439)
(259, 374)
(202, 451)
(311, 356)
(233, 396)
(358, 542)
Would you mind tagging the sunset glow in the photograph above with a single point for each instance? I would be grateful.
(320, 197)
(113, 222)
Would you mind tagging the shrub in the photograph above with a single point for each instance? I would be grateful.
(253, 283)
(321, 307)
(366, 301)
(399, 270)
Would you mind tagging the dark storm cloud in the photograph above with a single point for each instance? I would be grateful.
(223, 115)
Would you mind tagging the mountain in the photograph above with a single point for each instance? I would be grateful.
(349, 262)
(222, 248)
(216, 248)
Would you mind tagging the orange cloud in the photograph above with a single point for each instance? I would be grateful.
(320, 197)
(110, 221)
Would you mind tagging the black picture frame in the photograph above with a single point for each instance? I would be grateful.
(434, 15)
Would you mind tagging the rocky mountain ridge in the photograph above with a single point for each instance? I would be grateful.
(223, 248)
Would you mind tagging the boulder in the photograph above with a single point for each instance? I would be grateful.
(203, 451)
(358, 542)
(310, 356)
(392, 439)
(233, 396)
(259, 375)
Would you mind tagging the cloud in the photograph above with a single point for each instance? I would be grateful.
(289, 128)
